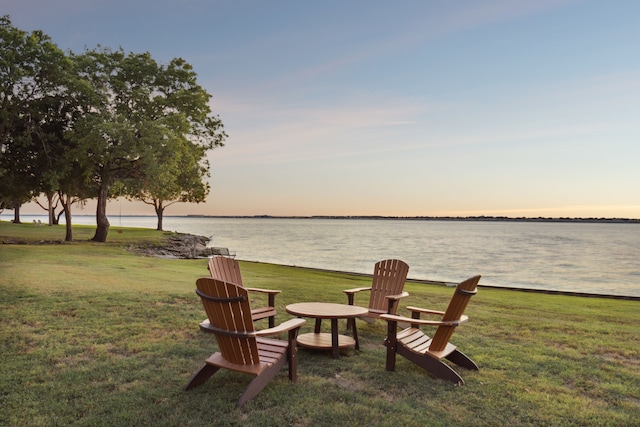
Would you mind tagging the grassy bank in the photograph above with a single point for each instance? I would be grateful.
(94, 334)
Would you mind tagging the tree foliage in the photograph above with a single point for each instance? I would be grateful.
(100, 124)
(38, 108)
(143, 124)
(31, 72)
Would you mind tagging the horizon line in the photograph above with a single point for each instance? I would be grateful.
(396, 217)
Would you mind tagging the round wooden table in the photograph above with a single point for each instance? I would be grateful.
(325, 310)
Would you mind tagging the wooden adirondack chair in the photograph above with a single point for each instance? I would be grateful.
(242, 348)
(426, 352)
(228, 270)
(386, 289)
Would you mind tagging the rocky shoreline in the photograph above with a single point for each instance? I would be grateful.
(179, 245)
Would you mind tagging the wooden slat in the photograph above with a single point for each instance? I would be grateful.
(408, 333)
(226, 269)
(415, 340)
(261, 313)
(274, 343)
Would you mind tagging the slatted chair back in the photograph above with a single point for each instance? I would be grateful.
(225, 269)
(463, 293)
(388, 279)
(229, 312)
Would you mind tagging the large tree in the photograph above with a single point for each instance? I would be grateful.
(33, 75)
(138, 114)
(19, 52)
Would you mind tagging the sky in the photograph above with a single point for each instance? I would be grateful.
(407, 108)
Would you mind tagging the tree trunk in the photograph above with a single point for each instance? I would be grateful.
(102, 221)
(16, 213)
(66, 208)
(50, 210)
(56, 221)
(159, 213)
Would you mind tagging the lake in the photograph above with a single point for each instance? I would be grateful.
(597, 258)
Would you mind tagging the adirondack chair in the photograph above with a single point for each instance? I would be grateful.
(426, 352)
(228, 270)
(385, 291)
(242, 348)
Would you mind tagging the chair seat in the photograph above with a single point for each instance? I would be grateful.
(263, 313)
(418, 342)
(269, 351)
(375, 313)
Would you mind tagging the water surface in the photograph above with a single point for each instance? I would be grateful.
(599, 258)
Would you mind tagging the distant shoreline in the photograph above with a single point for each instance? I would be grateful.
(483, 218)
(428, 218)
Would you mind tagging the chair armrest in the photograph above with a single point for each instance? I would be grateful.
(354, 290)
(424, 310)
(392, 301)
(351, 293)
(205, 326)
(394, 318)
(397, 297)
(281, 328)
(264, 291)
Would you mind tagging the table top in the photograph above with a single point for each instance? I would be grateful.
(325, 310)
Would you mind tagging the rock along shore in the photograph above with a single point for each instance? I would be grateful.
(179, 245)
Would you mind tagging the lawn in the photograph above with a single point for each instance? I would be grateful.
(97, 334)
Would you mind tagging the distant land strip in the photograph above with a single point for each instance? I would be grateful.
(432, 218)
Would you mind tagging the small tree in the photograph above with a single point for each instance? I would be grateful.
(177, 173)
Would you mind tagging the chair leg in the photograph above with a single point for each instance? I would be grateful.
(260, 382)
(354, 330)
(350, 322)
(461, 359)
(391, 342)
(201, 376)
(436, 367)
(441, 370)
(292, 355)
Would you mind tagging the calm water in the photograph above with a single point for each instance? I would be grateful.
(576, 257)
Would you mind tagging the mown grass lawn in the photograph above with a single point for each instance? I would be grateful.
(95, 334)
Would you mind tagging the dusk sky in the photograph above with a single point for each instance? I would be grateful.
(408, 108)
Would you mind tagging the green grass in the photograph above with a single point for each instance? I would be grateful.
(93, 334)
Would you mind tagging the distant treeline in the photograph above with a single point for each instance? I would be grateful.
(437, 218)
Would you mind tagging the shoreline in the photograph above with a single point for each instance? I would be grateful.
(196, 246)
(451, 284)
(185, 245)
(481, 218)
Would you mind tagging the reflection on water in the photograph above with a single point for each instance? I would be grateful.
(577, 257)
